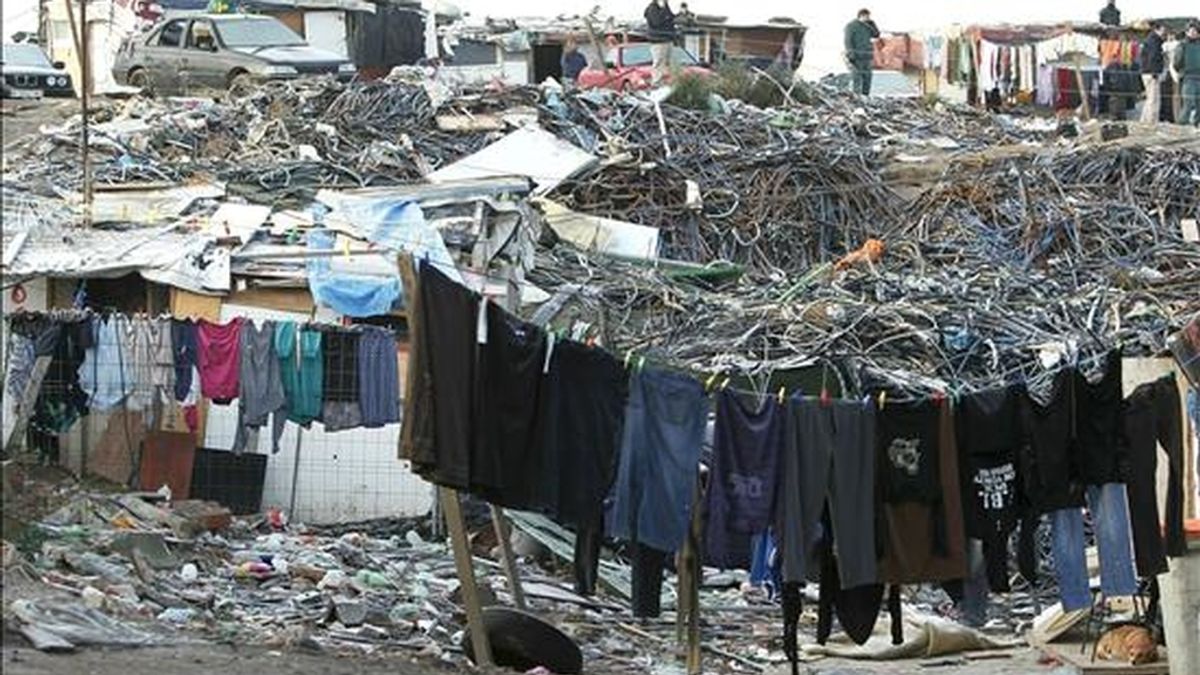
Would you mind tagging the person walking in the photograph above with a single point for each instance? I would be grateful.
(1110, 15)
(860, 50)
(660, 21)
(1187, 67)
(573, 61)
(1153, 67)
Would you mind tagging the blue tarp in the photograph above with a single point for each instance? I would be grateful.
(357, 295)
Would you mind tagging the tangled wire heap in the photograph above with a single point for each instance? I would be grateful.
(990, 258)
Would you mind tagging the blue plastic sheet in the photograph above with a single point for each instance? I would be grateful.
(357, 295)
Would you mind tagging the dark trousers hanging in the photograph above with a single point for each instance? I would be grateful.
(857, 608)
(587, 556)
(1153, 418)
(648, 564)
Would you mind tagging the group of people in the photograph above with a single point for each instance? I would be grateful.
(861, 33)
(1186, 64)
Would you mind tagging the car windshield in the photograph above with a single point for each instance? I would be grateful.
(25, 55)
(641, 55)
(264, 32)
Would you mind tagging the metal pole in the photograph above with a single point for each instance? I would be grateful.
(85, 62)
(295, 473)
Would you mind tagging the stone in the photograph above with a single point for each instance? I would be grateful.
(350, 612)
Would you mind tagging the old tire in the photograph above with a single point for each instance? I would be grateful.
(138, 77)
(523, 642)
(240, 84)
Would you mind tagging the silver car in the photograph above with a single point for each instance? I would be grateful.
(221, 51)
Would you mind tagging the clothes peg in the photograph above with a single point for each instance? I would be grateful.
(708, 384)
(628, 356)
(939, 397)
(825, 399)
(782, 394)
(882, 399)
(641, 364)
(725, 384)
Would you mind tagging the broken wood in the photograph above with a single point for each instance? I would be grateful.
(25, 405)
(466, 576)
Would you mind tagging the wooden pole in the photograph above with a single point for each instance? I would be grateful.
(480, 644)
(85, 62)
(1083, 94)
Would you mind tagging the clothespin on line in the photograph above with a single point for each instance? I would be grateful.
(782, 394)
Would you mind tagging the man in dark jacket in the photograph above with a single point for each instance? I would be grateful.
(1110, 15)
(573, 61)
(1153, 66)
(860, 50)
(660, 21)
(1187, 66)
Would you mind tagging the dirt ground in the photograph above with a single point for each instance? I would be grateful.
(207, 659)
(21, 118)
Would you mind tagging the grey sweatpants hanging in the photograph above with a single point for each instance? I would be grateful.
(829, 454)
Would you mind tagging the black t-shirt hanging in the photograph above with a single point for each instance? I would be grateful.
(449, 312)
(907, 443)
(989, 433)
(908, 450)
(504, 466)
(582, 401)
(1098, 424)
(1049, 462)
(339, 355)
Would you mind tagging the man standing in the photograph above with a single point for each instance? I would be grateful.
(573, 61)
(660, 21)
(1187, 66)
(1153, 66)
(1110, 15)
(860, 50)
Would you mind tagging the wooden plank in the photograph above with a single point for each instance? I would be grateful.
(504, 537)
(466, 576)
(45, 641)
(28, 399)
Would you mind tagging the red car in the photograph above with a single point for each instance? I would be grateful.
(631, 66)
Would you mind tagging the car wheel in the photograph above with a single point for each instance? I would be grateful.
(138, 77)
(240, 84)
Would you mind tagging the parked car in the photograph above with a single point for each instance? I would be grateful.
(221, 51)
(631, 66)
(28, 73)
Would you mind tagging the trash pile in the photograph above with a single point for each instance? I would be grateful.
(137, 570)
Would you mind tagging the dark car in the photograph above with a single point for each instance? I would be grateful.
(221, 51)
(28, 73)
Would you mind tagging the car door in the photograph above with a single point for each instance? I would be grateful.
(201, 66)
(163, 53)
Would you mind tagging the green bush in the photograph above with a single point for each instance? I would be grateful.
(691, 91)
(737, 80)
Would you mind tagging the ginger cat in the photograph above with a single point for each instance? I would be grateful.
(1134, 644)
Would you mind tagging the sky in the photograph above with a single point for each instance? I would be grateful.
(824, 19)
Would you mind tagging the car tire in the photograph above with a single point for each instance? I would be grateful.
(523, 642)
(138, 77)
(240, 84)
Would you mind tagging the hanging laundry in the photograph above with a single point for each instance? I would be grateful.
(1152, 420)
(829, 456)
(988, 425)
(1098, 422)
(21, 358)
(378, 379)
(151, 365)
(103, 375)
(924, 537)
(417, 422)
(301, 371)
(260, 386)
(1049, 463)
(748, 443)
(659, 459)
(339, 397)
(450, 316)
(185, 350)
(582, 414)
(218, 359)
(508, 381)
(1110, 519)
(856, 606)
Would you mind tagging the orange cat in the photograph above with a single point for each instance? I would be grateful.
(1134, 644)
